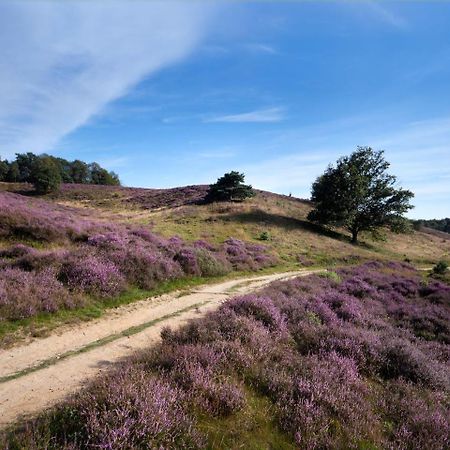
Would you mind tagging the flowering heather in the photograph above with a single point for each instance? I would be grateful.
(25, 294)
(96, 258)
(338, 367)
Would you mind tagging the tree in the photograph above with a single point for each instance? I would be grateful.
(359, 194)
(230, 187)
(25, 163)
(45, 174)
(98, 175)
(13, 172)
(4, 168)
(79, 171)
(65, 169)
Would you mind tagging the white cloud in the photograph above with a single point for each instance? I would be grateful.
(260, 115)
(62, 62)
(387, 15)
(261, 48)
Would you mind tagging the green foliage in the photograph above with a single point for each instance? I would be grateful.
(25, 162)
(45, 175)
(13, 172)
(264, 236)
(102, 176)
(230, 187)
(331, 275)
(360, 195)
(22, 170)
(4, 167)
(436, 224)
(79, 172)
(440, 268)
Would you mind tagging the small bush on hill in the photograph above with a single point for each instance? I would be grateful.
(230, 187)
(440, 268)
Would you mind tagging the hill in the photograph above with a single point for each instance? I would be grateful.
(278, 221)
(139, 241)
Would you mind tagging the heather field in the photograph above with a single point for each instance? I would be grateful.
(356, 358)
(73, 253)
(56, 258)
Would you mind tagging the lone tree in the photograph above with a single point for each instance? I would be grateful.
(45, 174)
(359, 194)
(230, 187)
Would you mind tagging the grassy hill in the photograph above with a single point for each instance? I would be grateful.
(279, 218)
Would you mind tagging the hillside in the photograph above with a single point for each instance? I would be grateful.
(179, 211)
(137, 242)
(277, 221)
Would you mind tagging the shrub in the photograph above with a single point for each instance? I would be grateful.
(92, 275)
(230, 187)
(264, 236)
(25, 294)
(440, 267)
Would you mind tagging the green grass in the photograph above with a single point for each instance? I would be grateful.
(253, 428)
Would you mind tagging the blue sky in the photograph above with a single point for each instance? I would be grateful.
(169, 94)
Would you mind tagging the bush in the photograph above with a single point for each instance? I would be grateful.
(92, 275)
(440, 267)
(264, 236)
(230, 187)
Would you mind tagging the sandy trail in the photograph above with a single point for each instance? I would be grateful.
(49, 369)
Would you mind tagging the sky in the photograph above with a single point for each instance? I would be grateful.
(170, 94)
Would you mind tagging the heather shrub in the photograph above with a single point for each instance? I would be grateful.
(259, 308)
(415, 420)
(25, 294)
(401, 359)
(129, 409)
(343, 365)
(92, 275)
(324, 399)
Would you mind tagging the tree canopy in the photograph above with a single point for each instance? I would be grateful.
(21, 170)
(45, 174)
(230, 187)
(360, 195)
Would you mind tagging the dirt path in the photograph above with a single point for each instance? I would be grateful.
(36, 376)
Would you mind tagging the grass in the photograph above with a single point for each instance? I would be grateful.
(253, 428)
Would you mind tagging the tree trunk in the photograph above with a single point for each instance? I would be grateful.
(354, 236)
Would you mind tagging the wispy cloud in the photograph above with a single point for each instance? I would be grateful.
(386, 14)
(62, 62)
(216, 154)
(261, 115)
(261, 48)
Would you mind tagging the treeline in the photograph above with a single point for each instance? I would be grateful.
(436, 224)
(30, 168)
